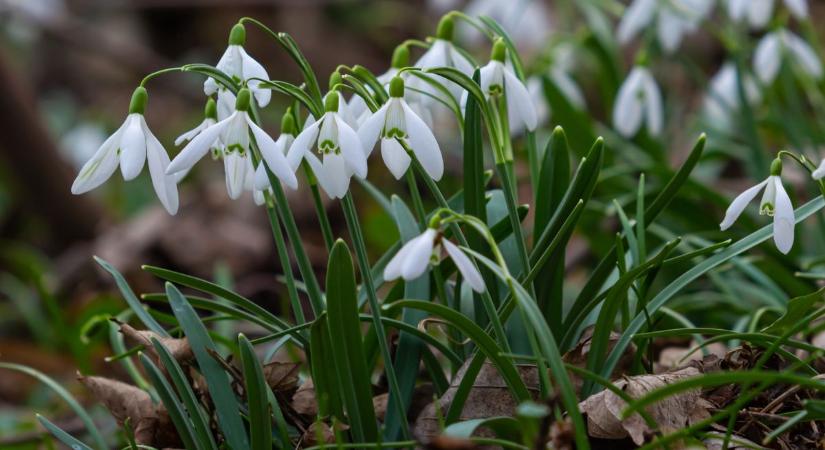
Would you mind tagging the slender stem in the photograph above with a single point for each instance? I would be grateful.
(320, 210)
(512, 210)
(366, 280)
(286, 266)
(418, 205)
(159, 72)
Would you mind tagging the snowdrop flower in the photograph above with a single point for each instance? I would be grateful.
(233, 133)
(442, 53)
(819, 173)
(418, 253)
(639, 100)
(784, 45)
(673, 19)
(723, 100)
(525, 20)
(400, 59)
(775, 203)
(498, 79)
(236, 63)
(130, 147)
(346, 112)
(759, 12)
(395, 122)
(339, 146)
(272, 155)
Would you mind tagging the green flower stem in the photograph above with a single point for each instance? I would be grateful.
(486, 299)
(507, 182)
(418, 204)
(286, 266)
(354, 226)
(320, 210)
(158, 73)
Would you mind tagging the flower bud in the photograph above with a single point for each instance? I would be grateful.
(210, 111)
(331, 102)
(397, 87)
(445, 28)
(499, 52)
(139, 99)
(242, 101)
(776, 167)
(238, 35)
(288, 122)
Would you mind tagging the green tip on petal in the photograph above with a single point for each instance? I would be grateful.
(243, 99)
(139, 99)
(499, 52)
(396, 87)
(776, 167)
(211, 109)
(238, 35)
(288, 123)
(335, 79)
(401, 57)
(331, 102)
(445, 28)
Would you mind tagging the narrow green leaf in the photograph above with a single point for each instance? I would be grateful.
(183, 427)
(63, 436)
(132, 299)
(347, 344)
(260, 424)
(504, 427)
(226, 405)
(798, 308)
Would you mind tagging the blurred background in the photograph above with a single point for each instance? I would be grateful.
(67, 70)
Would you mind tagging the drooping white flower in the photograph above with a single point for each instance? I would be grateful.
(237, 64)
(775, 202)
(819, 173)
(413, 259)
(442, 53)
(723, 100)
(271, 154)
(339, 146)
(210, 117)
(233, 133)
(130, 147)
(783, 45)
(757, 13)
(526, 21)
(673, 19)
(396, 121)
(638, 101)
(498, 79)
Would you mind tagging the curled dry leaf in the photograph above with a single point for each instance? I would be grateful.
(179, 348)
(151, 424)
(303, 401)
(379, 404)
(604, 410)
(579, 354)
(676, 357)
(489, 397)
(321, 433)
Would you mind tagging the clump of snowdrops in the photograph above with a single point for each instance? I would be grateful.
(477, 279)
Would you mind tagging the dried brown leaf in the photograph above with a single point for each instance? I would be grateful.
(179, 348)
(579, 354)
(604, 410)
(676, 357)
(282, 376)
(303, 402)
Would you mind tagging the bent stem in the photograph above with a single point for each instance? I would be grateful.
(367, 282)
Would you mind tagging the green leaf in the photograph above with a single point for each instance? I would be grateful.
(323, 370)
(347, 344)
(65, 396)
(200, 420)
(290, 90)
(504, 427)
(465, 82)
(554, 178)
(64, 437)
(215, 73)
(798, 308)
(131, 299)
(577, 123)
(226, 405)
(260, 424)
(183, 427)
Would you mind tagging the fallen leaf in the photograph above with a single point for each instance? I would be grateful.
(303, 401)
(715, 440)
(321, 433)
(579, 354)
(675, 357)
(379, 404)
(282, 376)
(604, 410)
(179, 348)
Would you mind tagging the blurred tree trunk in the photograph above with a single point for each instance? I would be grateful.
(39, 178)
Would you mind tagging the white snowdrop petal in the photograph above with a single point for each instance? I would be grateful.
(253, 69)
(423, 144)
(636, 17)
(258, 197)
(132, 148)
(767, 58)
(370, 130)
(226, 104)
(737, 9)
(804, 55)
(628, 109)
(519, 101)
(235, 167)
(165, 185)
(670, 29)
(337, 175)
(351, 147)
(189, 135)
(654, 109)
(395, 157)
(302, 145)
(760, 12)
(100, 166)
(819, 173)
(198, 147)
(393, 268)
(418, 259)
(460, 61)
(465, 266)
(783, 218)
(799, 8)
(274, 157)
(738, 205)
(568, 88)
(210, 86)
